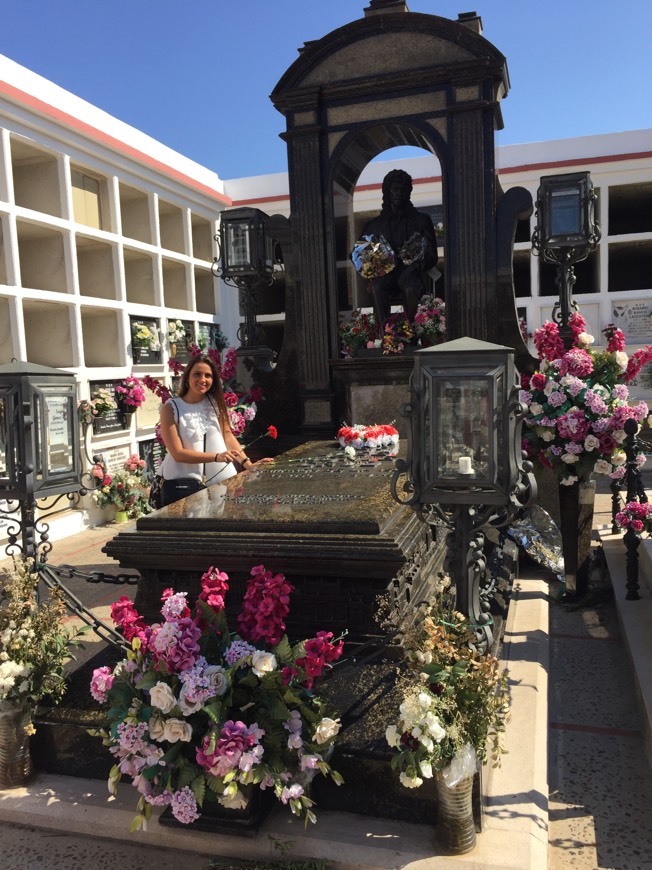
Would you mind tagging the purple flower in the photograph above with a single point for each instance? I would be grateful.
(184, 806)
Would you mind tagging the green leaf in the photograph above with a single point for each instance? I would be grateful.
(198, 786)
(283, 651)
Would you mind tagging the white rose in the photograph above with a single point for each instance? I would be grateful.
(156, 729)
(263, 663)
(548, 435)
(619, 436)
(177, 729)
(233, 802)
(326, 730)
(536, 409)
(585, 338)
(621, 359)
(188, 707)
(410, 781)
(216, 675)
(426, 769)
(569, 458)
(391, 736)
(618, 457)
(602, 467)
(350, 452)
(162, 697)
(591, 442)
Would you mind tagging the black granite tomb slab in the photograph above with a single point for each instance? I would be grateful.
(329, 524)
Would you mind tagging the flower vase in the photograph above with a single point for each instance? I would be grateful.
(455, 823)
(173, 349)
(136, 354)
(15, 758)
(126, 419)
(576, 504)
(121, 516)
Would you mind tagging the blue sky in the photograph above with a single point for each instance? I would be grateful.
(197, 74)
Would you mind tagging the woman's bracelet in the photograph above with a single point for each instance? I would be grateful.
(244, 462)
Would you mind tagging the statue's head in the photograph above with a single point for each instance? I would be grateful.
(397, 187)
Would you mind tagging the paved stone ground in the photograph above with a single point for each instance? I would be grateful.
(600, 781)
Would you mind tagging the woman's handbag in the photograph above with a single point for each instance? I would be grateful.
(155, 498)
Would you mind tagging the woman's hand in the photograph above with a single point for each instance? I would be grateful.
(227, 456)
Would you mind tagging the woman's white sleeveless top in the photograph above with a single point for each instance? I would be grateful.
(196, 421)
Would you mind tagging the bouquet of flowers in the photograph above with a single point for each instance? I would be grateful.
(196, 712)
(144, 336)
(125, 491)
(130, 394)
(369, 437)
(34, 646)
(373, 257)
(413, 249)
(636, 516)
(577, 403)
(358, 332)
(430, 321)
(103, 402)
(455, 700)
(176, 331)
(398, 333)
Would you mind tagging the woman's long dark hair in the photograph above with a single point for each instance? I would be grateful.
(216, 392)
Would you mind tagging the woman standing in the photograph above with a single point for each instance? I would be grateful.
(197, 435)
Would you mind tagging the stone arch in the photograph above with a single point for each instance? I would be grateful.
(393, 78)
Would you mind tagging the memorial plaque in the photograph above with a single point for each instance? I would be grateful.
(114, 458)
(112, 421)
(148, 413)
(151, 451)
(329, 524)
(635, 320)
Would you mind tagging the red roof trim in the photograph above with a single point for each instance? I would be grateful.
(88, 130)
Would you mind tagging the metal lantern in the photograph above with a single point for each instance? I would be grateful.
(39, 449)
(247, 250)
(565, 234)
(463, 446)
(464, 466)
(39, 435)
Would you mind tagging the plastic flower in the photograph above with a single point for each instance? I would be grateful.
(195, 707)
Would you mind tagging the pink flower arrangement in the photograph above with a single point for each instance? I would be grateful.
(636, 516)
(130, 394)
(196, 711)
(577, 404)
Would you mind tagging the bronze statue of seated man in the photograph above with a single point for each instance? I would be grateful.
(411, 236)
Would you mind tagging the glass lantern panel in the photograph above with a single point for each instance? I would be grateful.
(59, 436)
(464, 429)
(565, 212)
(238, 247)
(5, 435)
(427, 432)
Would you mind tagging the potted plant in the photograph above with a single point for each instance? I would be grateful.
(200, 715)
(452, 716)
(125, 491)
(34, 647)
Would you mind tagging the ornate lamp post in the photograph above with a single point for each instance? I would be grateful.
(39, 450)
(566, 232)
(464, 465)
(246, 260)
